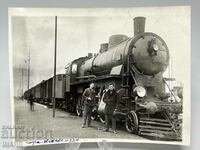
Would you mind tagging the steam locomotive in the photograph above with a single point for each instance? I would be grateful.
(135, 66)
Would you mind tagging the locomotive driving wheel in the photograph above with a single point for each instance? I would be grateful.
(94, 114)
(79, 110)
(131, 123)
(102, 118)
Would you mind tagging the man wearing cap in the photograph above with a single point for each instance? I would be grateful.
(110, 100)
(89, 101)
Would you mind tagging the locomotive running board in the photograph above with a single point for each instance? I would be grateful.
(86, 77)
(95, 79)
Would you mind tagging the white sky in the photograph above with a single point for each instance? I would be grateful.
(81, 31)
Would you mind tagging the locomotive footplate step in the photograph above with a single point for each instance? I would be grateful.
(155, 123)
(157, 128)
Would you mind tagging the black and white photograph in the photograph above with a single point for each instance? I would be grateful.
(93, 74)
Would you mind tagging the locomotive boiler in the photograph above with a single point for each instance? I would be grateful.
(148, 53)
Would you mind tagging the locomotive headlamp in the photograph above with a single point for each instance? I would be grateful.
(155, 47)
(140, 91)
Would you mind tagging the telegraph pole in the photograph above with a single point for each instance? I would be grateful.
(54, 81)
(22, 83)
(28, 68)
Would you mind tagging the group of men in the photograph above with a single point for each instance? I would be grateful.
(89, 102)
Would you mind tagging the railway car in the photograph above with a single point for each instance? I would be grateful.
(43, 92)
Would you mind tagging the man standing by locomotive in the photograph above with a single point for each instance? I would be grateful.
(89, 101)
(31, 101)
(110, 100)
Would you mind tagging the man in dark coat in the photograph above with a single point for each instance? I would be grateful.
(110, 100)
(89, 101)
(31, 102)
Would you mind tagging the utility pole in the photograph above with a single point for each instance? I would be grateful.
(54, 78)
(22, 83)
(28, 68)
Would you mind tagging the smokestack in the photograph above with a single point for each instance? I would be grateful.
(90, 55)
(139, 25)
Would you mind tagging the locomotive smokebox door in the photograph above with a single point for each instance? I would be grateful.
(150, 54)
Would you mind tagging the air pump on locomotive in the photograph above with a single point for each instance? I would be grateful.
(135, 65)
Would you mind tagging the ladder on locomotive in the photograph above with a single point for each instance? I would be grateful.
(126, 82)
